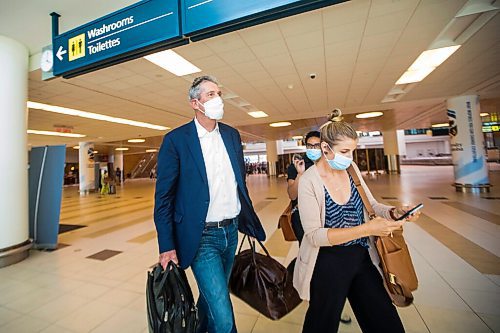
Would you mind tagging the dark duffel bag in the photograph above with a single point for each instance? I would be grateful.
(263, 283)
(170, 304)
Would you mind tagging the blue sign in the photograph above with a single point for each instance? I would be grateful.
(46, 176)
(205, 16)
(126, 34)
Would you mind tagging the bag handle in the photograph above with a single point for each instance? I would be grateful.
(164, 274)
(361, 191)
(252, 245)
(182, 281)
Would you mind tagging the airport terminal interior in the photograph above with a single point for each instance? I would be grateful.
(281, 71)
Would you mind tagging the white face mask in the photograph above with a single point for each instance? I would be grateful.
(214, 108)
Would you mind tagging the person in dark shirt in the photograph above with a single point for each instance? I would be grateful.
(295, 171)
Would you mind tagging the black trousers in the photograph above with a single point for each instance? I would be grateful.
(297, 226)
(347, 272)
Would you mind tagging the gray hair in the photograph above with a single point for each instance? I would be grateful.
(336, 129)
(195, 89)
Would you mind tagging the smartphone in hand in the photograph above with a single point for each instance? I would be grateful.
(297, 157)
(411, 211)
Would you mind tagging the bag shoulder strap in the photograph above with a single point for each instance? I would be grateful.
(361, 191)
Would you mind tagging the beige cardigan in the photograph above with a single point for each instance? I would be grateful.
(312, 215)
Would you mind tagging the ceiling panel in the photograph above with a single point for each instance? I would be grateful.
(357, 49)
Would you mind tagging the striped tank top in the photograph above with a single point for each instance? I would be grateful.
(346, 216)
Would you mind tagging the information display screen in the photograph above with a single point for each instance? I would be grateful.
(201, 16)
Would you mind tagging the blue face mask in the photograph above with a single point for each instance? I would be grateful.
(339, 162)
(313, 154)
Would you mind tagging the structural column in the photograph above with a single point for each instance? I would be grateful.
(118, 160)
(272, 156)
(14, 220)
(467, 144)
(86, 167)
(394, 147)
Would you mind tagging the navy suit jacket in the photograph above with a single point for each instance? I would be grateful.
(182, 197)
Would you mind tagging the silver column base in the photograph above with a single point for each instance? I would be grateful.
(469, 188)
(15, 254)
(393, 164)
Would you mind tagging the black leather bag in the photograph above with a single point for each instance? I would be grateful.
(263, 283)
(170, 304)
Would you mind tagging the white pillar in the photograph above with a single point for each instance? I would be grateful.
(272, 157)
(467, 144)
(14, 220)
(279, 147)
(118, 160)
(391, 150)
(401, 142)
(86, 167)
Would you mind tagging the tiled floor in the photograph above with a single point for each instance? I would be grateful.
(455, 248)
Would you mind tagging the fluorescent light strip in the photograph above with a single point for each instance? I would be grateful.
(151, 150)
(121, 148)
(369, 115)
(172, 62)
(136, 140)
(68, 135)
(427, 62)
(90, 115)
(258, 114)
(280, 124)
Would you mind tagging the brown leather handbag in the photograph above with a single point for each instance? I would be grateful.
(285, 223)
(263, 283)
(399, 274)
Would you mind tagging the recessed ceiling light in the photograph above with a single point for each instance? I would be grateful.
(280, 124)
(121, 148)
(258, 114)
(95, 116)
(297, 137)
(136, 140)
(76, 147)
(484, 114)
(427, 62)
(172, 62)
(69, 135)
(96, 152)
(151, 150)
(369, 115)
(441, 125)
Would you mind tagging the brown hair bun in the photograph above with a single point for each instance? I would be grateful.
(335, 115)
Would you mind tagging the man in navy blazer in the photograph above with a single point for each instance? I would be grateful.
(201, 201)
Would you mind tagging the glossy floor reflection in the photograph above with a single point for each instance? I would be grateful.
(96, 283)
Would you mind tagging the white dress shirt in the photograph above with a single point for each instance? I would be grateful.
(222, 186)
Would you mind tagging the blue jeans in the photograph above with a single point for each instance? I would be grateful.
(211, 268)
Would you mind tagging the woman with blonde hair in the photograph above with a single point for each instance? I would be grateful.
(334, 263)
